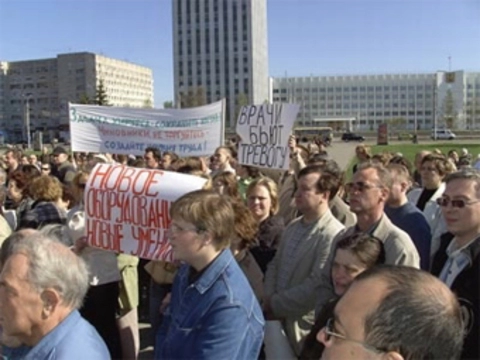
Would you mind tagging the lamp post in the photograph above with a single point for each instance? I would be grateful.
(27, 118)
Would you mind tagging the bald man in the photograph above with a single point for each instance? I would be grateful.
(394, 313)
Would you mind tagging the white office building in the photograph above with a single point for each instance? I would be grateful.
(48, 85)
(362, 102)
(220, 46)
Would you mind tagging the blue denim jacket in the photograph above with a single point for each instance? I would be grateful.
(216, 317)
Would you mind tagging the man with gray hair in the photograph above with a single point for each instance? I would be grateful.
(42, 286)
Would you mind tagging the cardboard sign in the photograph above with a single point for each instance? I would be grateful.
(107, 129)
(264, 131)
(127, 209)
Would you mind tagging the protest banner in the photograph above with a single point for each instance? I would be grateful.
(264, 131)
(127, 210)
(107, 129)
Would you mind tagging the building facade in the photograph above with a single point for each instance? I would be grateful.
(220, 51)
(40, 90)
(406, 101)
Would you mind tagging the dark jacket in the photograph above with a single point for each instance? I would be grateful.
(268, 238)
(65, 172)
(467, 289)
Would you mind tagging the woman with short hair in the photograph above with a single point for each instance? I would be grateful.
(213, 313)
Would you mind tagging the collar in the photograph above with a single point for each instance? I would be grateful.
(371, 229)
(470, 249)
(213, 272)
(54, 337)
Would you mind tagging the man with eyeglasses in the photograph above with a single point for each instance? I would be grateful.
(368, 193)
(45, 169)
(457, 262)
(394, 313)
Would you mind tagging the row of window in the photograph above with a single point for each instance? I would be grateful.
(340, 89)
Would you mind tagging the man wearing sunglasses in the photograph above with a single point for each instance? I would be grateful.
(394, 313)
(368, 193)
(457, 262)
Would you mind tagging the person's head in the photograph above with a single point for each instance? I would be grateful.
(394, 313)
(24, 160)
(45, 188)
(419, 157)
(167, 159)
(401, 183)
(315, 189)
(262, 198)
(17, 185)
(79, 183)
(12, 158)
(246, 227)
(460, 204)
(369, 189)
(60, 155)
(202, 223)
(152, 157)
(401, 160)
(32, 159)
(247, 172)
(46, 169)
(122, 159)
(363, 152)
(41, 282)
(353, 255)
(452, 154)
(189, 165)
(225, 183)
(433, 169)
(67, 201)
(222, 156)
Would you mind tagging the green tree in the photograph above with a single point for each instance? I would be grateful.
(450, 115)
(193, 97)
(147, 103)
(168, 104)
(101, 97)
(84, 99)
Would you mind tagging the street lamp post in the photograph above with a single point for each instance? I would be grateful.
(27, 119)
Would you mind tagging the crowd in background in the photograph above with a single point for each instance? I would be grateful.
(264, 257)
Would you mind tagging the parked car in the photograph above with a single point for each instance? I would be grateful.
(352, 137)
(443, 134)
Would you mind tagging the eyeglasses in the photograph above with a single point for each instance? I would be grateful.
(45, 169)
(359, 186)
(456, 203)
(330, 332)
(175, 229)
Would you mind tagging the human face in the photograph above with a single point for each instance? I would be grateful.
(464, 222)
(431, 179)
(221, 157)
(259, 202)
(346, 267)
(307, 197)
(10, 160)
(361, 299)
(59, 158)
(32, 160)
(166, 161)
(367, 197)
(185, 240)
(150, 160)
(14, 192)
(45, 169)
(21, 307)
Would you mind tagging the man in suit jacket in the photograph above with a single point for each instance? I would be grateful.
(457, 262)
(368, 193)
(303, 251)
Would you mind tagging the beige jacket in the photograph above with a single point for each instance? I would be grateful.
(311, 255)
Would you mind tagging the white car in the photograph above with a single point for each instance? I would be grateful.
(443, 134)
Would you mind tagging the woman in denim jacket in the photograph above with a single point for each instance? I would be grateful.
(213, 313)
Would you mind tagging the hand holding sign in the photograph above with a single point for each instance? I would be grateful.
(264, 130)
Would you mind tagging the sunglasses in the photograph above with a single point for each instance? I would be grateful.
(359, 186)
(45, 169)
(457, 203)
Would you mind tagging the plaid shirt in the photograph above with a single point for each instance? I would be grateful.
(42, 213)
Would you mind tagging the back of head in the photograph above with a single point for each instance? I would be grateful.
(367, 248)
(418, 317)
(53, 265)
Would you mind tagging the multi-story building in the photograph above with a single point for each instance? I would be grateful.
(41, 90)
(220, 47)
(364, 101)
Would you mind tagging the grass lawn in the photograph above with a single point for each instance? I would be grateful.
(409, 150)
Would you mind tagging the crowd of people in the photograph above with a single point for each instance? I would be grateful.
(269, 264)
